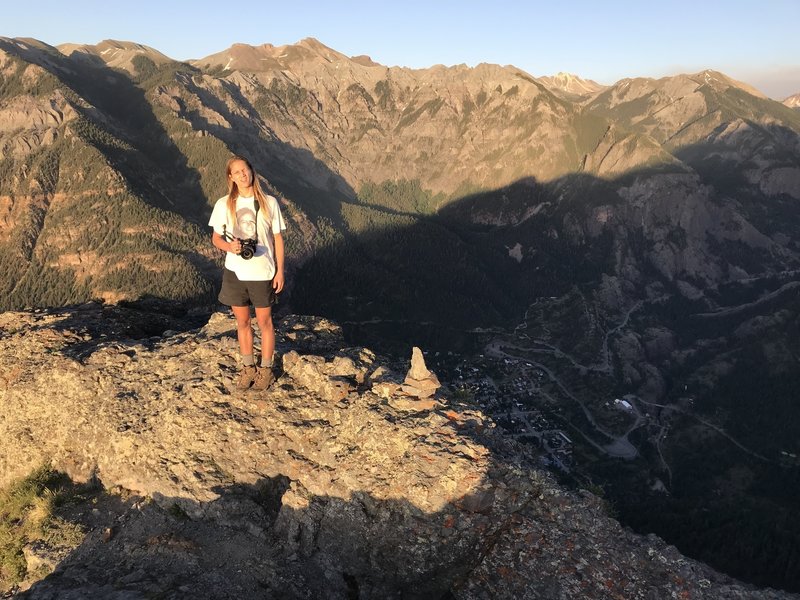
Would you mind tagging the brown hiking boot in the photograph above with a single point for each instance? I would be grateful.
(246, 376)
(264, 378)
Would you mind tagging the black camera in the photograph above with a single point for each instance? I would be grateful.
(248, 249)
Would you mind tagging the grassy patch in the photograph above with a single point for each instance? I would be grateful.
(28, 510)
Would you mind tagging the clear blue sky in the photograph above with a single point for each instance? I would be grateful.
(753, 41)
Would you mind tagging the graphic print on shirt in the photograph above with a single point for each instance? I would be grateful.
(245, 228)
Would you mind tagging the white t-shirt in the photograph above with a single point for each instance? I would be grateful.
(262, 266)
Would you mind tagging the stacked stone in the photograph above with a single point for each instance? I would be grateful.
(420, 382)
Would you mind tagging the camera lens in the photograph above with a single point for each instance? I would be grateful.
(248, 249)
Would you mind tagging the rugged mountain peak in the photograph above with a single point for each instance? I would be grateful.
(30, 50)
(722, 82)
(314, 44)
(114, 53)
(243, 57)
(25, 43)
(364, 61)
(793, 101)
(681, 84)
(318, 487)
(571, 84)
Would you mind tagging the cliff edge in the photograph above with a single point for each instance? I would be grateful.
(332, 484)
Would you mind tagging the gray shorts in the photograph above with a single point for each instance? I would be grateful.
(235, 292)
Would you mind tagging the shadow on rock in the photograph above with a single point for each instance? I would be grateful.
(268, 540)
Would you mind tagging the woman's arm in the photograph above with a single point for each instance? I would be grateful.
(234, 246)
(278, 280)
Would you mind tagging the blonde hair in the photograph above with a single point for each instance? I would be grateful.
(233, 190)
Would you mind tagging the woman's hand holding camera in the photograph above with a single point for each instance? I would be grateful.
(236, 246)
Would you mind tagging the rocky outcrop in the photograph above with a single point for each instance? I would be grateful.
(571, 85)
(793, 101)
(318, 487)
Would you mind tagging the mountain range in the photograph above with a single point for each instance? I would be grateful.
(320, 126)
(638, 239)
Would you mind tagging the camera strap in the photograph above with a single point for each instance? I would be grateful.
(255, 201)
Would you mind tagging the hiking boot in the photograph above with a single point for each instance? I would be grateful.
(264, 378)
(246, 376)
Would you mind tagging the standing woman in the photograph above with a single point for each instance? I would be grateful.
(254, 276)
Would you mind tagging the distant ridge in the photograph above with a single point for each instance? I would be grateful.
(571, 84)
(709, 77)
(709, 73)
(243, 57)
(114, 53)
(364, 60)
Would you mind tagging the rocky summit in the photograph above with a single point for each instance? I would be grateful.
(333, 483)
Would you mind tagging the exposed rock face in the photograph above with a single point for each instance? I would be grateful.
(793, 101)
(316, 488)
(572, 84)
(442, 125)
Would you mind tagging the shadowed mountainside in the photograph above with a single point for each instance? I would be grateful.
(693, 312)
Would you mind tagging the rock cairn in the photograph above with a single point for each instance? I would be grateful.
(420, 382)
(415, 393)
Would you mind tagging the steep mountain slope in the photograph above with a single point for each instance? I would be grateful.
(318, 124)
(88, 206)
(115, 54)
(710, 122)
(449, 127)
